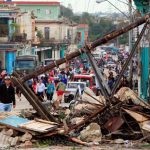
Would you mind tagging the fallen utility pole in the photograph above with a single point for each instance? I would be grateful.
(101, 81)
(33, 99)
(129, 59)
(96, 43)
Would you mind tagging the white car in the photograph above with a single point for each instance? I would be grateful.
(73, 90)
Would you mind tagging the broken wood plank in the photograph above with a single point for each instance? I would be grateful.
(38, 126)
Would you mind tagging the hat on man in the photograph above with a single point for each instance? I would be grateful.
(7, 78)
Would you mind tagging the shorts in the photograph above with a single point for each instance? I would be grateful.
(5, 107)
(60, 93)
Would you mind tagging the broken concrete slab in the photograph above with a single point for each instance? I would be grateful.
(26, 137)
(7, 140)
(137, 116)
(125, 93)
(90, 97)
(92, 133)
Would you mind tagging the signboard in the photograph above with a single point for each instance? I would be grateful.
(7, 15)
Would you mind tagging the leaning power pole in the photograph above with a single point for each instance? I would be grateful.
(130, 43)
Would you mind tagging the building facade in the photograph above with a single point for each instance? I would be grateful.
(55, 32)
(16, 28)
(58, 35)
(26, 24)
(43, 10)
(144, 54)
(82, 34)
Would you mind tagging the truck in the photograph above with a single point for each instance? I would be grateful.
(26, 63)
(48, 61)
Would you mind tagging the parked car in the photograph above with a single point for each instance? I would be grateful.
(89, 79)
(73, 90)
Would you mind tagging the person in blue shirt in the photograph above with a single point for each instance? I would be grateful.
(50, 89)
(64, 79)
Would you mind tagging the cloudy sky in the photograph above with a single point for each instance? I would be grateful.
(91, 6)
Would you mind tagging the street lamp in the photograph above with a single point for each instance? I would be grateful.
(101, 1)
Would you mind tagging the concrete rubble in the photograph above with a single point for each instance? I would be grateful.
(89, 121)
(116, 116)
(92, 133)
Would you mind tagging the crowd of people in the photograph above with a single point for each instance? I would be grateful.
(45, 85)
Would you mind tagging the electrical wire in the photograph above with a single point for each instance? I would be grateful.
(88, 5)
(118, 9)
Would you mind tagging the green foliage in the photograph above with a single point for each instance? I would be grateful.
(15, 25)
(98, 30)
(39, 34)
(98, 27)
(124, 39)
(66, 12)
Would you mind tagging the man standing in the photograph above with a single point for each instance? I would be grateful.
(41, 89)
(50, 89)
(7, 95)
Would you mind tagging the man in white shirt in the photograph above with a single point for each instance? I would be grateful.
(40, 90)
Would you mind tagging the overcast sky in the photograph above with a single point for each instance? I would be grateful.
(91, 6)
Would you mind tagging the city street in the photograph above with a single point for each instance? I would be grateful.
(83, 71)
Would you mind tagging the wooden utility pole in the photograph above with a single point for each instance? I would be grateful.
(130, 43)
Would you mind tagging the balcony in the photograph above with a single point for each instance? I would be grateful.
(3, 39)
(19, 37)
(55, 41)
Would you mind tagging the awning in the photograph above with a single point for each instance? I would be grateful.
(42, 49)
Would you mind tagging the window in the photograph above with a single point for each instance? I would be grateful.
(38, 10)
(47, 32)
(47, 12)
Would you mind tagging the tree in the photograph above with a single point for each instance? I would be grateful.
(66, 12)
(124, 38)
(97, 26)
(39, 35)
(97, 30)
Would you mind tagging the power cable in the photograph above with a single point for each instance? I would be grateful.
(88, 5)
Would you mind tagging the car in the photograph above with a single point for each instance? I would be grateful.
(89, 79)
(110, 64)
(73, 90)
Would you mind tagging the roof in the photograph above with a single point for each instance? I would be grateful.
(49, 21)
(83, 26)
(32, 3)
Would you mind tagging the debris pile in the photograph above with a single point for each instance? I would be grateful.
(90, 119)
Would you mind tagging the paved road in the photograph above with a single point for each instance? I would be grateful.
(23, 104)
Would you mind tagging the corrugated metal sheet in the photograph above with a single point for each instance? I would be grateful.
(7, 141)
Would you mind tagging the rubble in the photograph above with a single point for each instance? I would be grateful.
(7, 140)
(120, 117)
(88, 122)
(92, 133)
(26, 137)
